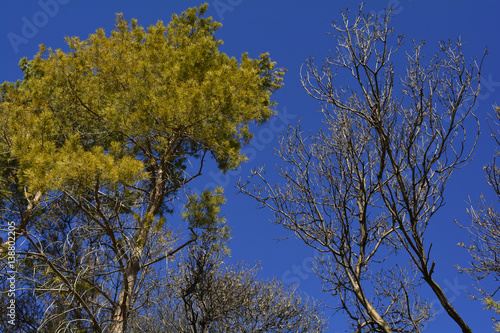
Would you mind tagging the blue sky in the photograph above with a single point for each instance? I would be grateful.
(291, 31)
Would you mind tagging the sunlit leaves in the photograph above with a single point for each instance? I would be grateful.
(148, 90)
(111, 129)
(202, 211)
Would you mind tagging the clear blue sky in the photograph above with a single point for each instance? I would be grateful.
(291, 31)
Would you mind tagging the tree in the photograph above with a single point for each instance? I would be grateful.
(485, 233)
(97, 145)
(203, 294)
(366, 187)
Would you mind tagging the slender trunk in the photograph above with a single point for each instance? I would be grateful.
(121, 311)
(372, 312)
(446, 304)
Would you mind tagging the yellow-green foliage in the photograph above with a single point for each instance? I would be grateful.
(495, 306)
(112, 124)
(117, 103)
(202, 211)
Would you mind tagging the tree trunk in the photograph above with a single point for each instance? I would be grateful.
(372, 312)
(121, 311)
(446, 304)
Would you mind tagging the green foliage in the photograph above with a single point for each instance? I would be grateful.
(113, 104)
(103, 136)
(495, 306)
(203, 212)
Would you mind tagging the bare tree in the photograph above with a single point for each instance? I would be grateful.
(370, 184)
(484, 231)
(204, 294)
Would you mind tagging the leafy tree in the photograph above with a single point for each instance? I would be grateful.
(367, 186)
(97, 144)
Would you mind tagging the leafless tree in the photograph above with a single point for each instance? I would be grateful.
(484, 231)
(370, 183)
(204, 294)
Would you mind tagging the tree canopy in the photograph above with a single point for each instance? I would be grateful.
(367, 185)
(97, 143)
